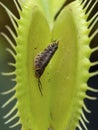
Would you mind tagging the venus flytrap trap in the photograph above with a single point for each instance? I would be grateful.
(64, 81)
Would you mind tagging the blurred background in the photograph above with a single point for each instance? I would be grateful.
(5, 57)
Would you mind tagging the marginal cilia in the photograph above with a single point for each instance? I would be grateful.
(91, 23)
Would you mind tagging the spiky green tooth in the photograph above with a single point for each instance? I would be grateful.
(10, 31)
(8, 11)
(8, 91)
(94, 63)
(84, 117)
(11, 64)
(9, 40)
(9, 101)
(93, 24)
(83, 3)
(8, 73)
(83, 123)
(12, 17)
(11, 52)
(79, 127)
(86, 109)
(94, 49)
(13, 22)
(18, 5)
(94, 17)
(87, 6)
(90, 98)
(94, 34)
(16, 124)
(92, 7)
(92, 74)
(12, 118)
(11, 111)
(92, 89)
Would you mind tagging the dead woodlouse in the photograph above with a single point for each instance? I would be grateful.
(42, 60)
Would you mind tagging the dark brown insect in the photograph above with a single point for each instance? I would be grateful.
(42, 60)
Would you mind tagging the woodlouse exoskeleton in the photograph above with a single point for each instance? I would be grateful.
(42, 60)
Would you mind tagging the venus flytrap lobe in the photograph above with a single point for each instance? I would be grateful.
(64, 81)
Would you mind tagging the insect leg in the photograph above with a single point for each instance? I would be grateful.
(40, 86)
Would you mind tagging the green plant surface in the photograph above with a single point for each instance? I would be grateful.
(64, 81)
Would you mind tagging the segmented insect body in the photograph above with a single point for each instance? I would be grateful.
(42, 60)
